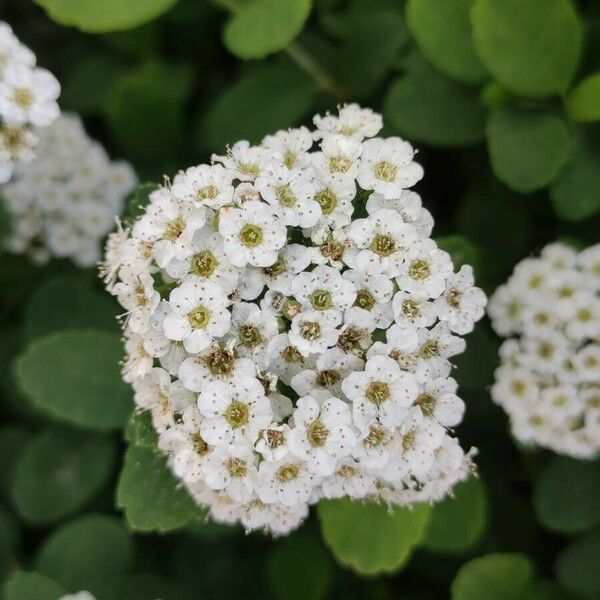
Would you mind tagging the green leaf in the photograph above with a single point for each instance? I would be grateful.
(575, 193)
(442, 29)
(261, 27)
(545, 589)
(32, 586)
(457, 523)
(531, 47)
(245, 110)
(577, 565)
(13, 440)
(9, 539)
(426, 106)
(65, 302)
(150, 495)
(583, 101)
(145, 109)
(287, 581)
(370, 538)
(567, 495)
(140, 431)
(74, 377)
(109, 15)
(462, 250)
(59, 472)
(84, 552)
(143, 586)
(138, 200)
(492, 577)
(527, 148)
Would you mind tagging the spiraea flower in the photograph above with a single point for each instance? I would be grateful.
(28, 97)
(64, 202)
(285, 350)
(548, 381)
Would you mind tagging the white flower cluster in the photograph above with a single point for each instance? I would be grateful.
(78, 596)
(27, 99)
(303, 350)
(64, 202)
(549, 378)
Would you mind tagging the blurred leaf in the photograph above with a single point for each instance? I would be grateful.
(545, 589)
(246, 110)
(84, 552)
(575, 193)
(139, 430)
(109, 15)
(9, 537)
(458, 522)
(462, 250)
(583, 101)
(13, 439)
(527, 148)
(66, 302)
(150, 495)
(59, 472)
(577, 565)
(74, 377)
(286, 580)
(138, 200)
(145, 109)
(425, 106)
(442, 29)
(567, 495)
(492, 577)
(370, 538)
(143, 586)
(531, 47)
(261, 27)
(32, 586)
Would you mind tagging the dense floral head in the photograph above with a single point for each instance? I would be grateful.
(549, 379)
(27, 100)
(64, 202)
(290, 325)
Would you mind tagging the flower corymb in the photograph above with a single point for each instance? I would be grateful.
(549, 378)
(290, 325)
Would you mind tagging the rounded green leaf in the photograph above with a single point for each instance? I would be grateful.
(527, 148)
(575, 193)
(261, 27)
(369, 537)
(442, 29)
(531, 47)
(583, 102)
(458, 522)
(32, 586)
(287, 581)
(493, 577)
(567, 495)
(13, 440)
(425, 106)
(151, 497)
(59, 472)
(84, 552)
(139, 430)
(74, 376)
(577, 565)
(109, 15)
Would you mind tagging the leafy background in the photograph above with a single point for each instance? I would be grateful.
(502, 98)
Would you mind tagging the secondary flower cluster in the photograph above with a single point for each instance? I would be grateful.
(64, 202)
(27, 99)
(549, 379)
(290, 323)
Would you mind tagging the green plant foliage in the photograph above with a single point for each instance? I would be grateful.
(74, 377)
(583, 101)
(577, 565)
(148, 493)
(527, 149)
(458, 522)
(32, 586)
(9, 540)
(531, 47)
(138, 199)
(425, 106)
(142, 586)
(86, 551)
(461, 249)
(442, 29)
(260, 27)
(109, 15)
(370, 538)
(493, 577)
(59, 472)
(139, 430)
(567, 495)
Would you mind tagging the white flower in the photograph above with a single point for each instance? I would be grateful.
(437, 399)
(252, 329)
(349, 479)
(312, 332)
(290, 146)
(231, 469)
(78, 596)
(286, 360)
(353, 121)
(287, 481)
(245, 162)
(373, 294)
(413, 310)
(292, 260)
(322, 435)
(251, 234)
(207, 185)
(136, 293)
(339, 155)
